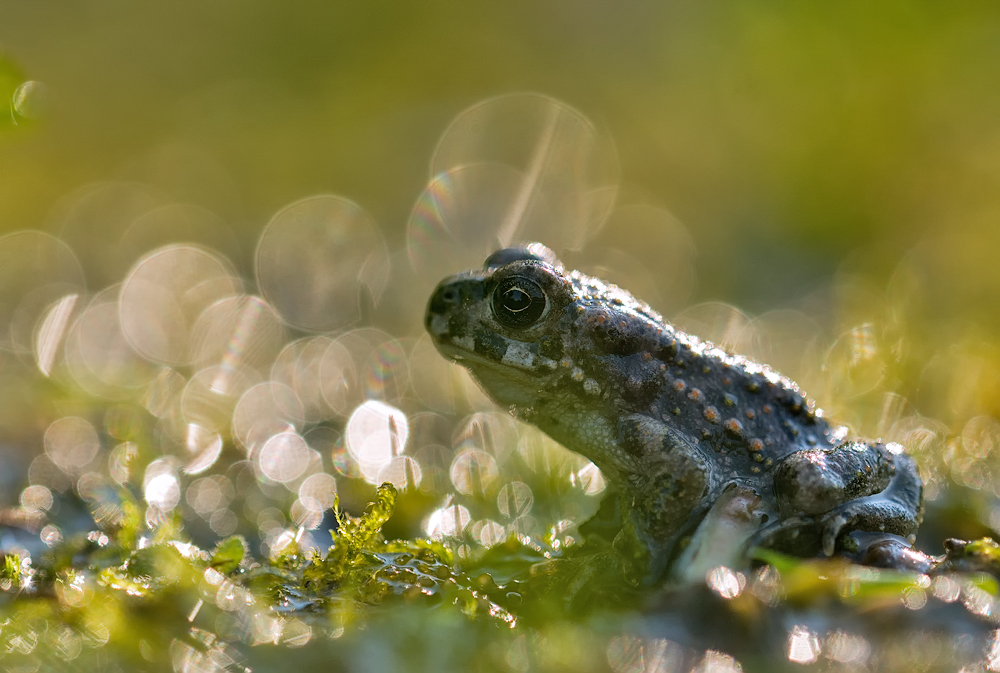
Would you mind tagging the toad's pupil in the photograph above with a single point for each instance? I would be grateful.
(516, 300)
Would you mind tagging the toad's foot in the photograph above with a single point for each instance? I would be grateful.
(877, 484)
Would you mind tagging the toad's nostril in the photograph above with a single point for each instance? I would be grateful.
(443, 301)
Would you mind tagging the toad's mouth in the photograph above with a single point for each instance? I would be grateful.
(504, 384)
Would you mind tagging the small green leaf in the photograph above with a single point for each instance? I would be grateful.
(228, 554)
(11, 569)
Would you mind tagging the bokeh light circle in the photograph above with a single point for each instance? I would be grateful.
(376, 432)
(853, 364)
(243, 330)
(283, 457)
(319, 260)
(173, 222)
(463, 215)
(363, 364)
(474, 472)
(299, 366)
(403, 472)
(71, 443)
(266, 409)
(212, 394)
(36, 269)
(98, 357)
(164, 294)
(318, 492)
(161, 486)
(562, 157)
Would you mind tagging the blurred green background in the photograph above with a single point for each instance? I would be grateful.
(837, 158)
(788, 137)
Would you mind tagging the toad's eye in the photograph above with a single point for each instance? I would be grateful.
(518, 302)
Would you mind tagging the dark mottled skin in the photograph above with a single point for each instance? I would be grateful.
(671, 421)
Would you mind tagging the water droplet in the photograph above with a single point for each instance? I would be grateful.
(223, 522)
(375, 358)
(449, 521)
(490, 431)
(625, 655)
(209, 494)
(203, 449)
(590, 479)
(30, 100)
(120, 462)
(981, 436)
(803, 645)
(725, 582)
(330, 442)
(459, 218)
(304, 515)
(36, 498)
(98, 357)
(51, 332)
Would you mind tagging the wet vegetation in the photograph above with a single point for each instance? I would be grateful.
(226, 443)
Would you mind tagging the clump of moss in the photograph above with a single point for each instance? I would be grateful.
(142, 596)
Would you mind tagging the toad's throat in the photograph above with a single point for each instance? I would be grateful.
(505, 385)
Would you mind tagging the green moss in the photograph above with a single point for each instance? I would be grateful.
(143, 597)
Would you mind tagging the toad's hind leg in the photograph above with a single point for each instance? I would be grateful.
(863, 486)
